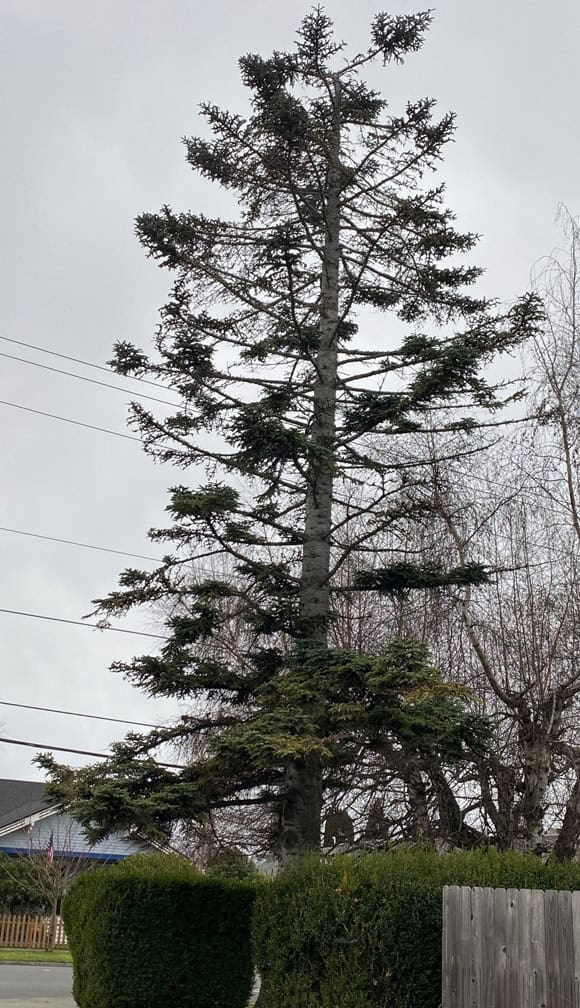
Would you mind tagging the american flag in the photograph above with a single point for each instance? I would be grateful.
(50, 850)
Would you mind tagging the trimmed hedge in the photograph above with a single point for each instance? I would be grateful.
(152, 932)
(365, 931)
(18, 892)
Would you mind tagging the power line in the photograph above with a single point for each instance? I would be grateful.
(77, 423)
(103, 549)
(77, 752)
(72, 542)
(72, 622)
(93, 717)
(77, 360)
(93, 381)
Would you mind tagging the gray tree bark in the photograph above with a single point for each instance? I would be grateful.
(418, 803)
(301, 812)
(566, 845)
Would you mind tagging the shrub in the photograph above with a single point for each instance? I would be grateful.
(365, 931)
(231, 864)
(152, 932)
(19, 892)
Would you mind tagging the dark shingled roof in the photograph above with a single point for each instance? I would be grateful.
(20, 799)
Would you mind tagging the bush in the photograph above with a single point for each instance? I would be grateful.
(231, 864)
(18, 892)
(365, 931)
(152, 932)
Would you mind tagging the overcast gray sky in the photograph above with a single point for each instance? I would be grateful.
(95, 99)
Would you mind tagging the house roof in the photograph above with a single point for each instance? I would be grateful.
(20, 799)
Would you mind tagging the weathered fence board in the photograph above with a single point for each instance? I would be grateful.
(464, 971)
(510, 948)
(26, 931)
(552, 951)
(538, 943)
(475, 957)
(566, 947)
(512, 987)
(525, 949)
(576, 944)
(499, 946)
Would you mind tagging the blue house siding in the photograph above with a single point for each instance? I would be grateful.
(69, 839)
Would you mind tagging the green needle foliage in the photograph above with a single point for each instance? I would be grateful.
(153, 932)
(297, 417)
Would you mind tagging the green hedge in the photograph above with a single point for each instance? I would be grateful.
(18, 891)
(151, 932)
(365, 931)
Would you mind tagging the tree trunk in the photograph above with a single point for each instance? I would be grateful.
(539, 731)
(418, 803)
(531, 811)
(301, 812)
(451, 826)
(52, 927)
(566, 845)
(505, 779)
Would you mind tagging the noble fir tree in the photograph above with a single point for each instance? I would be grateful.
(295, 414)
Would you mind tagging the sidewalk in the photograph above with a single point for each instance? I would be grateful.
(38, 1003)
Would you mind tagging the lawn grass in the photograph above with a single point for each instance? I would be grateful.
(35, 955)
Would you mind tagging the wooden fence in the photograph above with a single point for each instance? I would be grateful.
(25, 931)
(510, 948)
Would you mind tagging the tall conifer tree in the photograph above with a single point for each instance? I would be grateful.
(292, 412)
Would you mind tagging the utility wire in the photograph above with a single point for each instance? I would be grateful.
(96, 626)
(77, 423)
(72, 542)
(105, 549)
(78, 752)
(69, 713)
(77, 360)
(93, 381)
